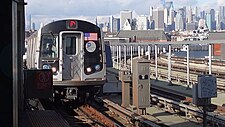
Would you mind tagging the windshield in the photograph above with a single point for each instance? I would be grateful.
(49, 46)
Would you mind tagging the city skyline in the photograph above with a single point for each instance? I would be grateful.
(41, 12)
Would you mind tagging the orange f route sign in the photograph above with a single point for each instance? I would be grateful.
(44, 80)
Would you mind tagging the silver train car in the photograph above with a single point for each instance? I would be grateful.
(74, 51)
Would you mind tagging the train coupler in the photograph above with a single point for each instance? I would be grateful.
(71, 93)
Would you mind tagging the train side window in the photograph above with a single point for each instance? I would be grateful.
(71, 45)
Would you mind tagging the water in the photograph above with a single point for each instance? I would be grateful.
(193, 54)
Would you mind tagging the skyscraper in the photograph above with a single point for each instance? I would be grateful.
(124, 15)
(171, 16)
(213, 16)
(151, 11)
(222, 13)
(202, 14)
(166, 16)
(158, 17)
(142, 22)
(222, 17)
(217, 17)
(179, 22)
(28, 22)
(189, 15)
(168, 4)
(33, 26)
(209, 21)
(195, 13)
(115, 25)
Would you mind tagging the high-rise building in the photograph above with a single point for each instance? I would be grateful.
(222, 17)
(150, 14)
(202, 14)
(179, 21)
(168, 4)
(195, 14)
(28, 22)
(116, 25)
(142, 22)
(171, 16)
(191, 26)
(213, 13)
(222, 13)
(33, 26)
(189, 15)
(111, 23)
(213, 16)
(158, 17)
(166, 16)
(209, 21)
(151, 11)
(127, 25)
(124, 15)
(217, 17)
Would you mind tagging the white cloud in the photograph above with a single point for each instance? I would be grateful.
(220, 2)
(45, 19)
(181, 3)
(86, 7)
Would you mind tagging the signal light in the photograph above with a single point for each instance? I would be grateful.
(71, 24)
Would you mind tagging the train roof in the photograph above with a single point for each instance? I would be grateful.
(70, 25)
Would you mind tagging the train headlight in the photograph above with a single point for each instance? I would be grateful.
(54, 70)
(89, 69)
(46, 66)
(97, 67)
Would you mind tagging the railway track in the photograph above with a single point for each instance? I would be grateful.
(197, 60)
(181, 76)
(180, 63)
(176, 103)
(98, 112)
(110, 114)
(104, 112)
(179, 71)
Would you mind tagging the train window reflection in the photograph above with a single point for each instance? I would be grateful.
(49, 47)
(70, 45)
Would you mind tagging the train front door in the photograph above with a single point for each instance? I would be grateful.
(70, 52)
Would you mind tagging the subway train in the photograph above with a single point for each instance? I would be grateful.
(74, 50)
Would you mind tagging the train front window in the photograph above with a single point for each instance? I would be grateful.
(70, 45)
(49, 46)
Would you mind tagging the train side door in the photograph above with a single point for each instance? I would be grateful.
(70, 52)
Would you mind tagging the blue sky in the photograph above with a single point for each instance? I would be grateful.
(47, 10)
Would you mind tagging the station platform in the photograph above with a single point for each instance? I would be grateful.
(41, 118)
(177, 88)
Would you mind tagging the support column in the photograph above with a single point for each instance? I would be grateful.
(169, 66)
(149, 52)
(113, 55)
(125, 55)
(117, 57)
(188, 67)
(131, 57)
(120, 57)
(139, 51)
(156, 62)
(210, 59)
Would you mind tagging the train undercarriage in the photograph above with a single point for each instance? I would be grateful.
(77, 93)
